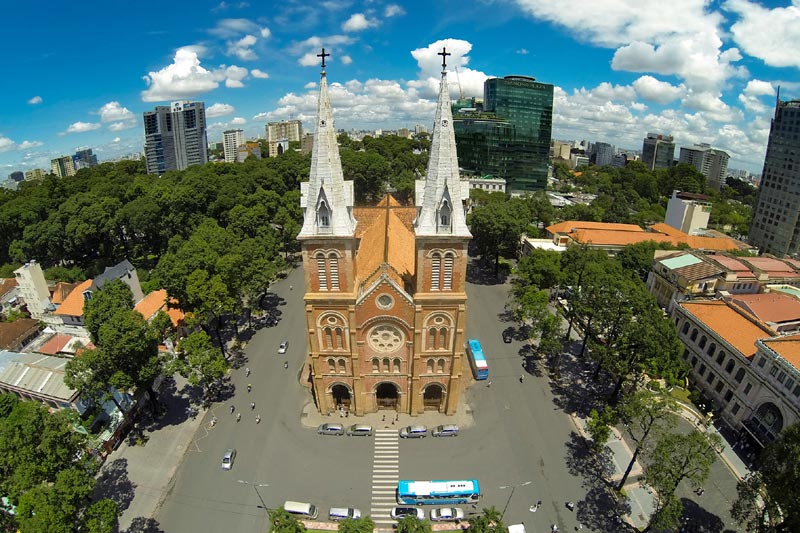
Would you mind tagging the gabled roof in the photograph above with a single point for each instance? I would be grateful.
(774, 307)
(690, 267)
(11, 333)
(6, 285)
(569, 225)
(736, 326)
(775, 268)
(787, 347)
(73, 304)
(386, 236)
(157, 301)
(61, 291)
(117, 271)
(40, 374)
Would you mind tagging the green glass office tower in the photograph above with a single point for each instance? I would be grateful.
(510, 136)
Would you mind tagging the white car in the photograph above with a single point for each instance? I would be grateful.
(447, 513)
(283, 347)
(399, 513)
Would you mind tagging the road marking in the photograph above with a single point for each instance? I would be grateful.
(385, 473)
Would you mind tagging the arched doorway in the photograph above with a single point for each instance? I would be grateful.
(433, 397)
(341, 396)
(767, 422)
(387, 396)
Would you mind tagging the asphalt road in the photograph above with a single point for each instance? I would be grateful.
(519, 436)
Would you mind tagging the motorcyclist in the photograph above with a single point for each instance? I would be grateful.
(286, 364)
(258, 419)
(249, 387)
(252, 405)
(247, 372)
(238, 416)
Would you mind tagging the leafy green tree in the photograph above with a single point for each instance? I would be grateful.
(284, 522)
(102, 517)
(199, 361)
(13, 315)
(115, 296)
(370, 173)
(412, 524)
(489, 521)
(161, 326)
(599, 426)
(496, 231)
(357, 525)
(677, 457)
(644, 416)
(768, 498)
(540, 268)
(7, 403)
(637, 258)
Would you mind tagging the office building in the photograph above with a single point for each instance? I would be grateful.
(712, 163)
(231, 140)
(775, 228)
(658, 151)
(509, 135)
(688, 212)
(84, 159)
(175, 137)
(16, 176)
(602, 154)
(291, 130)
(62, 166)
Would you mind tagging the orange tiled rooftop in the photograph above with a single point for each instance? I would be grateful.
(735, 325)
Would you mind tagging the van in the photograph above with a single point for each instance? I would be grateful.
(445, 430)
(360, 430)
(340, 513)
(303, 510)
(516, 528)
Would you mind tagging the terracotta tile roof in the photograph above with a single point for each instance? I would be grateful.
(401, 244)
(732, 264)
(616, 238)
(699, 271)
(774, 267)
(55, 344)
(787, 347)
(774, 307)
(12, 333)
(6, 285)
(73, 303)
(568, 225)
(157, 301)
(61, 291)
(386, 236)
(720, 243)
(738, 327)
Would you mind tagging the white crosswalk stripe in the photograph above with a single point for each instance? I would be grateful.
(385, 473)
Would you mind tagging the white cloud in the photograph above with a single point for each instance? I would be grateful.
(27, 145)
(770, 34)
(358, 22)
(35, 100)
(184, 78)
(752, 93)
(310, 85)
(309, 60)
(242, 48)
(308, 49)
(81, 127)
(238, 121)
(6, 144)
(346, 60)
(430, 66)
(119, 126)
(393, 10)
(257, 73)
(657, 91)
(234, 76)
(116, 140)
(230, 28)
(712, 106)
(113, 111)
(265, 33)
(219, 110)
(522, 51)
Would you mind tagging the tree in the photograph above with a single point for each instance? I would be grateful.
(496, 231)
(115, 296)
(8, 401)
(675, 458)
(768, 498)
(644, 416)
(363, 524)
(540, 268)
(57, 507)
(412, 524)
(199, 361)
(489, 521)
(102, 517)
(284, 522)
(599, 426)
(637, 258)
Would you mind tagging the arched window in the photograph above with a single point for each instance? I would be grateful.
(342, 366)
(720, 357)
(386, 365)
(440, 367)
(685, 329)
(339, 339)
(333, 266)
(432, 338)
(442, 338)
(694, 335)
(429, 366)
(331, 365)
(375, 364)
(711, 349)
(739, 375)
(448, 272)
(703, 341)
(729, 366)
(328, 339)
(322, 272)
(436, 270)
(323, 215)
(396, 366)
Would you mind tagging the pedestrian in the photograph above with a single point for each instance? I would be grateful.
(232, 409)
(488, 383)
(570, 506)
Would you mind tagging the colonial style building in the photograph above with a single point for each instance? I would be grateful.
(385, 284)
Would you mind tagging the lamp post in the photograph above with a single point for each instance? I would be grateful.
(513, 488)
(255, 488)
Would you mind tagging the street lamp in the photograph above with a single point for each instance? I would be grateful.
(513, 488)
(255, 488)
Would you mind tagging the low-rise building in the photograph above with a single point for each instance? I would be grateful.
(18, 334)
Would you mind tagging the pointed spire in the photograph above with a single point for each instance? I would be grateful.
(441, 211)
(328, 199)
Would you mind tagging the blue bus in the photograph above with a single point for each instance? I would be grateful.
(437, 492)
(477, 360)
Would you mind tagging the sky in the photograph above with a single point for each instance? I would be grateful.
(81, 75)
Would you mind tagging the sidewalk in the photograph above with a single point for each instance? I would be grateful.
(138, 477)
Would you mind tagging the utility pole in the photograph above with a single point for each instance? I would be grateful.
(255, 488)
(513, 488)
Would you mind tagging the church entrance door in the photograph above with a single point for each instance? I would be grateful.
(387, 396)
(341, 396)
(432, 397)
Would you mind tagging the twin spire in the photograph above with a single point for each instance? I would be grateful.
(328, 199)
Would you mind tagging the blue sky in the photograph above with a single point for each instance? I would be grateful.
(80, 75)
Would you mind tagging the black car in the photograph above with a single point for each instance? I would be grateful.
(508, 335)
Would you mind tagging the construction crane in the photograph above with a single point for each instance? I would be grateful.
(458, 79)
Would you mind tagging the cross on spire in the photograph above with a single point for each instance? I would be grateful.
(444, 53)
(323, 55)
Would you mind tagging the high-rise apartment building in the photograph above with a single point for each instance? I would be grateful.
(712, 163)
(775, 228)
(658, 151)
(63, 166)
(231, 140)
(509, 137)
(291, 130)
(602, 154)
(35, 174)
(84, 159)
(175, 137)
(248, 149)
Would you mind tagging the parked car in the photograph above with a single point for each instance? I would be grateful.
(360, 430)
(331, 429)
(400, 512)
(284, 345)
(445, 430)
(341, 513)
(228, 458)
(414, 432)
(447, 513)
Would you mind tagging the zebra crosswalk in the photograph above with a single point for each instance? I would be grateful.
(385, 474)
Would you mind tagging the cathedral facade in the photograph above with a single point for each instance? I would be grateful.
(385, 296)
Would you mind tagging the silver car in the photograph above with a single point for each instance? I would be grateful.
(414, 432)
(331, 429)
(447, 513)
(228, 458)
(445, 430)
(283, 347)
(399, 513)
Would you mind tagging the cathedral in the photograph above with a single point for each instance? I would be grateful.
(385, 296)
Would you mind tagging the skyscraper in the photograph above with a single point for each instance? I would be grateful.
(712, 163)
(231, 140)
(62, 166)
(175, 137)
(510, 136)
(603, 154)
(658, 151)
(84, 159)
(775, 227)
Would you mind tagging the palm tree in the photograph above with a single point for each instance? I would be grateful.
(490, 521)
